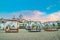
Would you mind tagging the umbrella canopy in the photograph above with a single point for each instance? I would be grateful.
(50, 25)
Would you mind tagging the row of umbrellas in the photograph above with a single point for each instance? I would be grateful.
(51, 25)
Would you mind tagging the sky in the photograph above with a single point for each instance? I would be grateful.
(36, 10)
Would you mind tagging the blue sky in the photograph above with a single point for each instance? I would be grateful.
(18, 5)
(7, 7)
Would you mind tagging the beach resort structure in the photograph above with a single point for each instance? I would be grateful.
(33, 26)
(51, 26)
(12, 26)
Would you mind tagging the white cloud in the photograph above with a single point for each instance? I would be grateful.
(36, 15)
(49, 7)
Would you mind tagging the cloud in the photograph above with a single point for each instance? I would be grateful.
(49, 7)
(55, 16)
(35, 15)
(43, 17)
